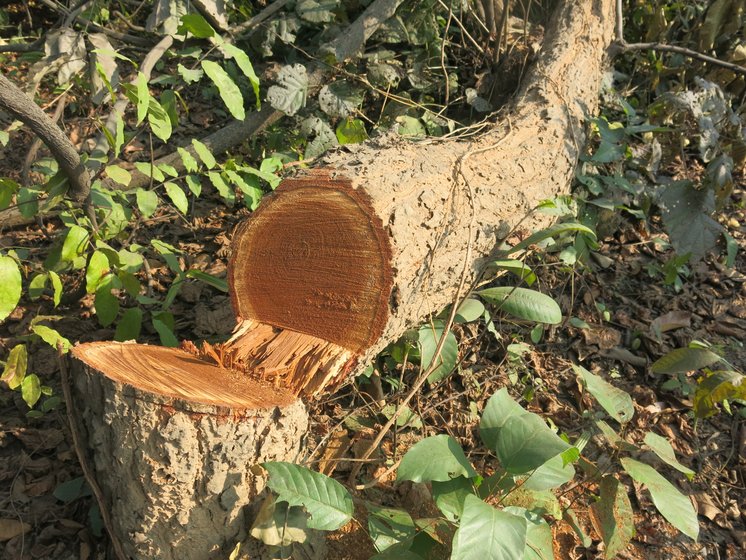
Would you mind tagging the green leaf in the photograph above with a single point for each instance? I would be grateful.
(328, 502)
(177, 196)
(410, 127)
(190, 164)
(616, 402)
(129, 326)
(485, 532)
(538, 534)
(169, 104)
(51, 337)
(340, 99)
(499, 409)
(289, 95)
(37, 285)
(190, 75)
(317, 11)
(664, 450)
(118, 174)
(143, 97)
(75, 244)
(163, 323)
(450, 496)
(119, 137)
(222, 187)
(525, 443)
(227, 88)
(439, 458)
(159, 119)
(280, 525)
(8, 188)
(15, 366)
(242, 59)
(56, 286)
(351, 131)
(98, 267)
(470, 310)
(519, 268)
(106, 303)
(552, 474)
(27, 201)
(388, 527)
(31, 389)
(683, 360)
(686, 215)
(150, 170)
(10, 286)
(195, 24)
(429, 337)
(715, 388)
(204, 153)
(209, 279)
(147, 202)
(194, 184)
(552, 231)
(612, 516)
(670, 502)
(523, 303)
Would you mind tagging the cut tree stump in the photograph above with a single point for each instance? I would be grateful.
(333, 266)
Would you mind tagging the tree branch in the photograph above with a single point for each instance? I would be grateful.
(17, 103)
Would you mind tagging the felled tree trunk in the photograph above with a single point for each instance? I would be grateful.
(341, 260)
(337, 263)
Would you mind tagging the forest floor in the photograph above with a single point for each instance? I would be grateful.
(44, 511)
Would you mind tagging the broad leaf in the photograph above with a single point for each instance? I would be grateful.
(552, 474)
(289, 95)
(328, 502)
(143, 97)
(160, 121)
(98, 267)
(519, 268)
(227, 88)
(538, 534)
(500, 408)
(105, 303)
(686, 215)
(195, 24)
(177, 196)
(429, 337)
(470, 310)
(31, 389)
(223, 188)
(15, 366)
(552, 231)
(612, 516)
(616, 402)
(129, 326)
(118, 174)
(150, 170)
(351, 131)
(340, 99)
(209, 279)
(450, 495)
(190, 164)
(75, 245)
(525, 443)
(683, 360)
(316, 11)
(523, 303)
(163, 323)
(715, 388)
(147, 202)
(204, 153)
(485, 532)
(388, 527)
(665, 452)
(242, 59)
(670, 502)
(436, 458)
(51, 337)
(190, 75)
(10, 286)
(278, 524)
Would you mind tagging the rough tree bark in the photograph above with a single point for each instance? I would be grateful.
(335, 265)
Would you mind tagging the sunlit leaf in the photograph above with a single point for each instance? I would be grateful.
(177, 196)
(683, 360)
(10, 286)
(523, 303)
(612, 516)
(438, 458)
(429, 337)
(616, 402)
(485, 532)
(229, 92)
(662, 447)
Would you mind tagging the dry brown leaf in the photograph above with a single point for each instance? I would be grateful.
(671, 321)
(10, 528)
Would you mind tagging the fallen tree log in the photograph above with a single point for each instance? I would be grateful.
(337, 263)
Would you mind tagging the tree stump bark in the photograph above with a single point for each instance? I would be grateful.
(172, 441)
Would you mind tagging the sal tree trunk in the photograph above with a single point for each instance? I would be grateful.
(336, 264)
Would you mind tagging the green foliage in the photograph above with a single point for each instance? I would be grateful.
(525, 304)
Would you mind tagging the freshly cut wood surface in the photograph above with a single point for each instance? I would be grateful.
(177, 374)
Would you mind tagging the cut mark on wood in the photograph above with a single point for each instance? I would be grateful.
(295, 362)
(175, 373)
(314, 259)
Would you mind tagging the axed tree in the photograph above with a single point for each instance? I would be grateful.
(331, 268)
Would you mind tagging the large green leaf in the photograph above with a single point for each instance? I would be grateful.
(289, 95)
(686, 215)
(683, 360)
(429, 337)
(486, 532)
(15, 366)
(143, 97)
(328, 502)
(450, 495)
(670, 502)
(519, 268)
(229, 92)
(10, 286)
(204, 153)
(438, 458)
(106, 303)
(340, 99)
(195, 24)
(147, 202)
(500, 408)
(388, 527)
(552, 474)
(616, 402)
(129, 326)
(538, 534)
(177, 196)
(31, 389)
(52, 337)
(159, 119)
(552, 231)
(664, 450)
(242, 59)
(98, 267)
(118, 174)
(525, 443)
(612, 516)
(715, 388)
(75, 244)
(523, 303)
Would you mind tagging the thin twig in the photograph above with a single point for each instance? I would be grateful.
(87, 471)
